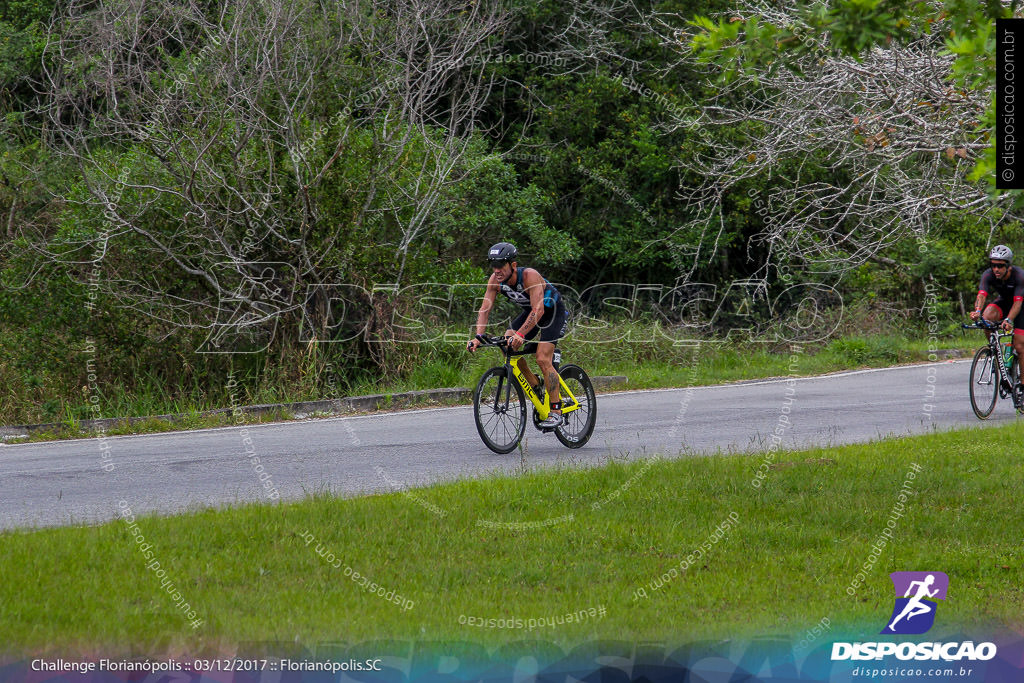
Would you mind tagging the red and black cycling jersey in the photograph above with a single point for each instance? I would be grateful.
(519, 295)
(1006, 291)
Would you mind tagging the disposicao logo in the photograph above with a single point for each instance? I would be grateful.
(917, 594)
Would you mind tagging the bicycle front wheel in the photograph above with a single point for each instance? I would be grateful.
(579, 423)
(499, 408)
(984, 382)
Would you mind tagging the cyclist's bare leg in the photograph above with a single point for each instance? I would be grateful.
(993, 315)
(545, 357)
(524, 368)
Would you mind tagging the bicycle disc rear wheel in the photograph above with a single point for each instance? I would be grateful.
(500, 423)
(579, 423)
(984, 382)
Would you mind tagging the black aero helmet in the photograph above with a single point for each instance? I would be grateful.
(501, 253)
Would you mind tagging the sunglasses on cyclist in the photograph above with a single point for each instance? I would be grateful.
(999, 265)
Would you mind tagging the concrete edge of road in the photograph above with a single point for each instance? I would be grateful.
(298, 411)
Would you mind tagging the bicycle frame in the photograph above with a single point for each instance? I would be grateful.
(543, 408)
(995, 343)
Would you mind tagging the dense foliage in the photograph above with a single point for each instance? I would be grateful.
(263, 188)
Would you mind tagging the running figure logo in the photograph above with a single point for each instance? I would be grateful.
(914, 612)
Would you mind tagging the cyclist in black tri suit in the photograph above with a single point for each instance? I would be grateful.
(544, 311)
(1005, 281)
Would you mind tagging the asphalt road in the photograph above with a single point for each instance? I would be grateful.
(86, 481)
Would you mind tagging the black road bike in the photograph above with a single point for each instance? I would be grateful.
(995, 372)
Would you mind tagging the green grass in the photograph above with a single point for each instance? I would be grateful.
(536, 546)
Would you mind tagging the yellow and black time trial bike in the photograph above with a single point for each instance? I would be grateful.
(499, 402)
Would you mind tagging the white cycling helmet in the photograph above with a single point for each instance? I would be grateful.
(1001, 252)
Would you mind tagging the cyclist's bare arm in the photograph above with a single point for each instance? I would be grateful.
(488, 304)
(1014, 310)
(979, 302)
(534, 284)
(484, 313)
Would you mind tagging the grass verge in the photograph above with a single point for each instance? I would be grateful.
(623, 538)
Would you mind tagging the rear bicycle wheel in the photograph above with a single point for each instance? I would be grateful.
(499, 409)
(1017, 393)
(984, 382)
(579, 424)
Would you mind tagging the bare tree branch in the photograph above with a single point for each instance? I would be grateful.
(204, 138)
(859, 154)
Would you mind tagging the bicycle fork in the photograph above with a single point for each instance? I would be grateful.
(505, 383)
(501, 406)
